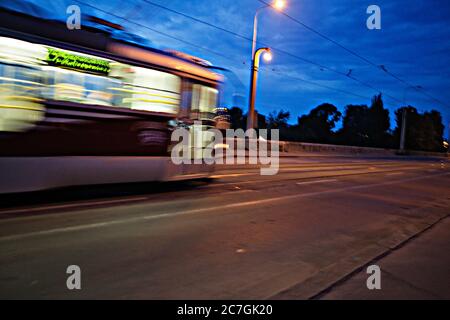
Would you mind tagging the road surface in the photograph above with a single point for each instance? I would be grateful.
(295, 235)
(420, 269)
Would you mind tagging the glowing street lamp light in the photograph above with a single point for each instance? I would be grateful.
(279, 6)
(251, 117)
(268, 56)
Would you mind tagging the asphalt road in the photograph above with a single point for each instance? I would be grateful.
(241, 236)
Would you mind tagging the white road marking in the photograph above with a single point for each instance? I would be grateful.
(233, 175)
(238, 191)
(202, 210)
(329, 168)
(394, 173)
(73, 205)
(291, 168)
(317, 181)
(340, 174)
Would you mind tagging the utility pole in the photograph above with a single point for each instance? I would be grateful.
(448, 140)
(403, 133)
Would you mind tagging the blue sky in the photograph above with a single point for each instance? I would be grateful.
(414, 44)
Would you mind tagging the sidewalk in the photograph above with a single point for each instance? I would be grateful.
(418, 270)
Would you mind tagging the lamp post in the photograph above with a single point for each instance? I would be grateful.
(277, 5)
(251, 118)
(404, 118)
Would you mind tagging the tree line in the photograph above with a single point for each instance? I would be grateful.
(362, 125)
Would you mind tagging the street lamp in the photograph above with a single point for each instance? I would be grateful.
(279, 6)
(254, 78)
(404, 116)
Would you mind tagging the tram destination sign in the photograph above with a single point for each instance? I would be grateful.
(64, 59)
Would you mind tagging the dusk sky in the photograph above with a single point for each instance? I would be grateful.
(413, 44)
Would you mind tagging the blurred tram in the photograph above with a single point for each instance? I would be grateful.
(83, 107)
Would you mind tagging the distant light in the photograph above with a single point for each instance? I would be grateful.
(279, 4)
(268, 56)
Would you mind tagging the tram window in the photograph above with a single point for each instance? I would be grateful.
(63, 85)
(186, 99)
(99, 90)
(204, 99)
(67, 85)
(20, 107)
(137, 88)
(152, 90)
(18, 81)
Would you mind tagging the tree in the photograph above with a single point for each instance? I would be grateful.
(367, 127)
(355, 126)
(435, 129)
(379, 123)
(318, 125)
(423, 131)
(237, 119)
(278, 120)
(262, 123)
